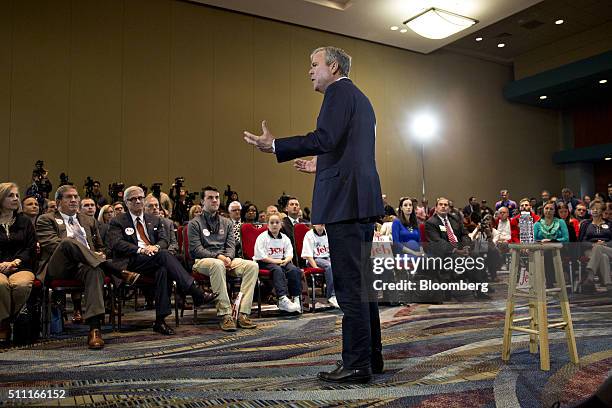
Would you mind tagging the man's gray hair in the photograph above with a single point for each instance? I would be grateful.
(234, 203)
(59, 193)
(130, 190)
(336, 54)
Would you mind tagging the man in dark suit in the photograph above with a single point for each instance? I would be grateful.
(346, 198)
(288, 224)
(448, 238)
(139, 243)
(71, 248)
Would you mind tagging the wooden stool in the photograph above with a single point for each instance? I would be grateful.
(537, 294)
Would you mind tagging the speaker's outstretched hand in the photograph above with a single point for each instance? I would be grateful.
(306, 166)
(263, 142)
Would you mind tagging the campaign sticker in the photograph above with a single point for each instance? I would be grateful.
(221, 232)
(206, 232)
(129, 231)
(59, 221)
(442, 228)
(604, 226)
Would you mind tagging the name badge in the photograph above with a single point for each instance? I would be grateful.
(59, 221)
(442, 228)
(155, 229)
(604, 226)
(129, 231)
(206, 232)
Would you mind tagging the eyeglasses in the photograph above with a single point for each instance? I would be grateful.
(133, 199)
(235, 209)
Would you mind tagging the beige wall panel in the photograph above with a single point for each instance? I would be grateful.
(192, 100)
(41, 89)
(6, 49)
(233, 102)
(272, 73)
(95, 115)
(571, 49)
(146, 92)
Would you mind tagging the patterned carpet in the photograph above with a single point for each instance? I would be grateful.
(435, 355)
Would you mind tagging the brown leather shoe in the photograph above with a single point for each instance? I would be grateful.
(245, 322)
(228, 323)
(77, 317)
(129, 278)
(94, 340)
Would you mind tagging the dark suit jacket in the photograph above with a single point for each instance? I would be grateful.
(51, 229)
(439, 244)
(347, 186)
(124, 246)
(289, 230)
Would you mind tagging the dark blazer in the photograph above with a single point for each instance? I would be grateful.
(51, 229)
(124, 246)
(439, 244)
(289, 230)
(347, 186)
(20, 244)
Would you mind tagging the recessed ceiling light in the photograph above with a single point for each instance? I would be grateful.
(403, 30)
(394, 28)
(559, 22)
(543, 97)
(478, 38)
(608, 158)
(501, 45)
(603, 81)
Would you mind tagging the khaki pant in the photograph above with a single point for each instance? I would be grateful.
(215, 269)
(599, 262)
(14, 292)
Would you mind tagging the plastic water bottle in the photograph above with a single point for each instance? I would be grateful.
(57, 321)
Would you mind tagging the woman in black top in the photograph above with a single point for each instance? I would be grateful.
(17, 248)
(597, 233)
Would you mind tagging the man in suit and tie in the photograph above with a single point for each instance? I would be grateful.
(139, 243)
(346, 198)
(71, 248)
(288, 224)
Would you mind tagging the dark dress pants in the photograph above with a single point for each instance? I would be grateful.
(165, 268)
(350, 244)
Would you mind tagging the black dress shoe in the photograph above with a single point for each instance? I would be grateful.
(376, 363)
(163, 328)
(201, 298)
(342, 375)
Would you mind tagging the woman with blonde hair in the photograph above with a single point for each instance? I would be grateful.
(17, 250)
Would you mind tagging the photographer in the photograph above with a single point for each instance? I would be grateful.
(485, 239)
(179, 196)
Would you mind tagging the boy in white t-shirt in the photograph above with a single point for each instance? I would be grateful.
(315, 250)
(273, 251)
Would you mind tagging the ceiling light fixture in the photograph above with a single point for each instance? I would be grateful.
(478, 38)
(403, 30)
(608, 158)
(543, 97)
(435, 23)
(559, 22)
(603, 81)
(501, 45)
(394, 28)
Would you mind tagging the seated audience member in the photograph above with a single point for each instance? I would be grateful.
(453, 211)
(234, 209)
(525, 206)
(273, 251)
(385, 228)
(118, 208)
(71, 249)
(51, 206)
(485, 239)
(262, 218)
(104, 217)
(271, 210)
(152, 208)
(607, 215)
(485, 210)
(544, 198)
(573, 226)
(315, 250)
(586, 200)
(503, 226)
(212, 246)
(405, 230)
(249, 213)
(505, 201)
(288, 223)
(567, 197)
(388, 209)
(469, 208)
(30, 208)
(581, 212)
(596, 233)
(195, 211)
(550, 229)
(448, 238)
(306, 215)
(139, 243)
(17, 251)
(471, 221)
